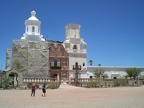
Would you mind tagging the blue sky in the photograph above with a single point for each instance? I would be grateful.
(112, 29)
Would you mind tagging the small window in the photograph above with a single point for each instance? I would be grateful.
(33, 29)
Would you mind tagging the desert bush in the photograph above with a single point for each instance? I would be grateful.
(138, 82)
(37, 86)
(29, 85)
(122, 81)
(92, 84)
(119, 82)
(6, 81)
(52, 85)
(116, 82)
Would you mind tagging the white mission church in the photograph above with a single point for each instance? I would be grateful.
(74, 45)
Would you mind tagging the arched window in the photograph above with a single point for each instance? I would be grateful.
(81, 46)
(38, 30)
(27, 29)
(83, 64)
(84, 46)
(75, 47)
(33, 29)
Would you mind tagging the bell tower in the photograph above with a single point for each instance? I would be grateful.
(75, 46)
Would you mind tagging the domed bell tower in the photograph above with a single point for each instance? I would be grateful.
(32, 29)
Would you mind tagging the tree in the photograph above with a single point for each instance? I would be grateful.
(90, 62)
(1, 71)
(129, 72)
(2, 74)
(99, 74)
(6, 81)
(136, 72)
(133, 72)
(105, 76)
(99, 65)
(16, 65)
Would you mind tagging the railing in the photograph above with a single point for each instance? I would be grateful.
(38, 80)
(87, 79)
(105, 82)
(82, 81)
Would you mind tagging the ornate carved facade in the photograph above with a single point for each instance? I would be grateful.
(59, 61)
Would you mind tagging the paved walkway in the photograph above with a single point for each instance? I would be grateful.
(75, 97)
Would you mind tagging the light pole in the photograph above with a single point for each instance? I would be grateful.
(77, 68)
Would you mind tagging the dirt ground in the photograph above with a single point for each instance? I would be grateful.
(75, 97)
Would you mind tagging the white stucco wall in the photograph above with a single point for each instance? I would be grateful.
(107, 70)
(112, 69)
(73, 60)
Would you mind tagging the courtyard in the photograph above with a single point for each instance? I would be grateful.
(75, 97)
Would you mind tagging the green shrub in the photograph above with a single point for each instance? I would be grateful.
(29, 85)
(119, 82)
(37, 86)
(52, 85)
(91, 84)
(116, 82)
(138, 82)
(122, 81)
(6, 81)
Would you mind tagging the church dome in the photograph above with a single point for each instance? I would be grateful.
(33, 13)
(32, 29)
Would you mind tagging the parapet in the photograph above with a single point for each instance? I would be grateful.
(72, 26)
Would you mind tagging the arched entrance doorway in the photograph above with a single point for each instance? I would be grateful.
(14, 77)
(54, 76)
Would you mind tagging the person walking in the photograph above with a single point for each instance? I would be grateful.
(33, 88)
(44, 90)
